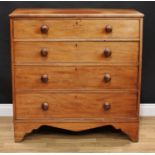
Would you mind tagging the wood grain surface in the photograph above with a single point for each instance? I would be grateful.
(76, 105)
(76, 77)
(76, 28)
(78, 12)
(121, 52)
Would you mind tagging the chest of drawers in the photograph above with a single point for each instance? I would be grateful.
(76, 69)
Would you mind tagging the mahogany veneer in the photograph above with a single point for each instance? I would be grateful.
(76, 69)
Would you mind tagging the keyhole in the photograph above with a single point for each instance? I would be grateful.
(75, 68)
(76, 23)
(76, 45)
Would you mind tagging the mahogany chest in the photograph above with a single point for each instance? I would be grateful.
(76, 69)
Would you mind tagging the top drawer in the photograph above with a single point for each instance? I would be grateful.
(76, 28)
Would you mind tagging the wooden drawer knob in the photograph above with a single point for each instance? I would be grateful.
(108, 28)
(45, 106)
(107, 78)
(107, 52)
(44, 78)
(107, 106)
(44, 52)
(44, 29)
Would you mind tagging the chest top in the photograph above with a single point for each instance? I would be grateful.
(126, 13)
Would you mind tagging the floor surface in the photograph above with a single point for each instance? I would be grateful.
(105, 139)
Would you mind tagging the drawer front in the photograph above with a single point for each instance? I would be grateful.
(75, 105)
(101, 52)
(76, 77)
(76, 29)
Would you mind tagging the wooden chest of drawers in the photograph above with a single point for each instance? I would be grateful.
(76, 69)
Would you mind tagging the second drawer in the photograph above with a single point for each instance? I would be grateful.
(76, 77)
(96, 52)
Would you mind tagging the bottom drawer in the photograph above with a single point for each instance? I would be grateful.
(75, 105)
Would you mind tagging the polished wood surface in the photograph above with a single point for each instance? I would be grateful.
(23, 127)
(76, 29)
(78, 12)
(75, 77)
(76, 69)
(75, 105)
(121, 52)
(97, 140)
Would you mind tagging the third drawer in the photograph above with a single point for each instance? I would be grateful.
(76, 77)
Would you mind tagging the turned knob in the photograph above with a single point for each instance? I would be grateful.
(44, 78)
(107, 78)
(107, 52)
(44, 29)
(108, 28)
(45, 106)
(44, 52)
(107, 106)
